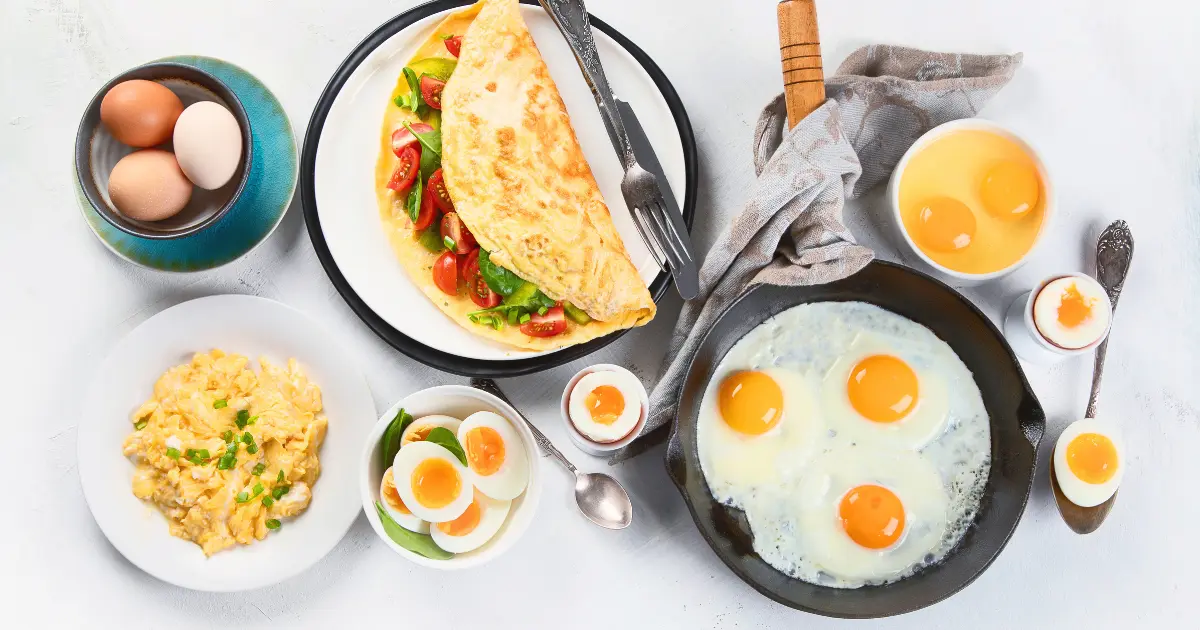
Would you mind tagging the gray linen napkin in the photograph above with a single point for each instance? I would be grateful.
(790, 232)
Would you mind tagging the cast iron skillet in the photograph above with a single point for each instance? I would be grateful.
(1017, 423)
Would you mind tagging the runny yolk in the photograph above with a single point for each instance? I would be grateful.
(945, 224)
(1074, 309)
(872, 516)
(1092, 457)
(751, 402)
(1010, 190)
(391, 495)
(435, 483)
(485, 450)
(882, 388)
(606, 404)
(464, 524)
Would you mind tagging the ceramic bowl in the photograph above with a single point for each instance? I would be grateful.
(96, 152)
(586, 444)
(458, 401)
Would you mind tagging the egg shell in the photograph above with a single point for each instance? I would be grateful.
(140, 113)
(148, 185)
(208, 144)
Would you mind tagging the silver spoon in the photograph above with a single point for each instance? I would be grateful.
(600, 498)
(1114, 251)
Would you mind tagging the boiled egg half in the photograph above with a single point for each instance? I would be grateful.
(1089, 461)
(395, 507)
(419, 429)
(477, 525)
(431, 482)
(496, 460)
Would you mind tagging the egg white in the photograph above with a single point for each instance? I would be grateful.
(1078, 491)
(491, 517)
(513, 475)
(581, 417)
(404, 519)
(407, 460)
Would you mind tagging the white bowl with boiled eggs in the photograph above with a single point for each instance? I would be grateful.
(604, 408)
(468, 517)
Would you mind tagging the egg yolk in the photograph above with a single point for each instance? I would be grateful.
(1010, 190)
(945, 224)
(882, 388)
(1074, 309)
(606, 403)
(435, 483)
(464, 524)
(1092, 458)
(872, 516)
(751, 402)
(391, 495)
(485, 450)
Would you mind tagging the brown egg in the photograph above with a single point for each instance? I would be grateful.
(149, 185)
(140, 113)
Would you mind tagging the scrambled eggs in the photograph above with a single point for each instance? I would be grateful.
(225, 453)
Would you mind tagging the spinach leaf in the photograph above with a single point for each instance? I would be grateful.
(413, 205)
(445, 437)
(413, 101)
(500, 280)
(431, 153)
(417, 543)
(528, 298)
(390, 443)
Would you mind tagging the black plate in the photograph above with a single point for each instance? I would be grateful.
(1017, 424)
(409, 346)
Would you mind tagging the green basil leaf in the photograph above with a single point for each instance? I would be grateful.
(413, 101)
(445, 438)
(500, 280)
(390, 443)
(421, 544)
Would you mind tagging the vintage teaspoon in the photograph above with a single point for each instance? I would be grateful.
(600, 498)
(1114, 251)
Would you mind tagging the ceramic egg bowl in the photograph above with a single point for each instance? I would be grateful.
(96, 152)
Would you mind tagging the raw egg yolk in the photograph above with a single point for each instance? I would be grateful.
(751, 402)
(882, 388)
(946, 224)
(391, 495)
(872, 516)
(1010, 190)
(1092, 457)
(605, 404)
(464, 524)
(485, 450)
(435, 483)
(1074, 309)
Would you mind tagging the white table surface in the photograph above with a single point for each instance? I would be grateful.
(1109, 91)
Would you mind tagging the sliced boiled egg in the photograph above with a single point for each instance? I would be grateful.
(1072, 312)
(605, 406)
(431, 482)
(477, 525)
(496, 460)
(1089, 461)
(395, 507)
(419, 429)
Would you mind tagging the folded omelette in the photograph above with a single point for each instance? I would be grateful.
(487, 199)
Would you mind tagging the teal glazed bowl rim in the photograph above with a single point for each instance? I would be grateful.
(90, 124)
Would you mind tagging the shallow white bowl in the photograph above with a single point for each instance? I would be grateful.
(586, 444)
(458, 401)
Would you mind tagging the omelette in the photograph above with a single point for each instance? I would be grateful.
(225, 453)
(487, 199)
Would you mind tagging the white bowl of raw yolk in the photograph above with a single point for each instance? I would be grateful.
(971, 199)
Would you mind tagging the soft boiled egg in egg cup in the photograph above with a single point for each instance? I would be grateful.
(604, 408)
(432, 493)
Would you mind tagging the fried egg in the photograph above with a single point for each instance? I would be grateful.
(605, 406)
(1089, 461)
(477, 525)
(395, 507)
(419, 429)
(431, 482)
(496, 460)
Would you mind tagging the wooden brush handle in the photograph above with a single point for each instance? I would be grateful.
(800, 50)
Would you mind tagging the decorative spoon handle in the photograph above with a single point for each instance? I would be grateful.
(490, 386)
(1114, 252)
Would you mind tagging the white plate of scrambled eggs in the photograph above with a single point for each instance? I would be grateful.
(218, 443)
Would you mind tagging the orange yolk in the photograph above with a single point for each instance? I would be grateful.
(1074, 309)
(751, 402)
(605, 404)
(464, 524)
(872, 516)
(946, 224)
(882, 388)
(1010, 190)
(391, 495)
(435, 483)
(485, 450)
(1092, 457)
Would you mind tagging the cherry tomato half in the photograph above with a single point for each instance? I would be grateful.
(548, 325)
(445, 273)
(477, 288)
(427, 214)
(441, 195)
(454, 45)
(406, 172)
(454, 229)
(403, 138)
(431, 91)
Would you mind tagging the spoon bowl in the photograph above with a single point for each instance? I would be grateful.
(603, 500)
(1081, 520)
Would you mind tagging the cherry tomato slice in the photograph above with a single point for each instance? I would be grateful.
(431, 91)
(548, 325)
(462, 263)
(445, 273)
(481, 294)
(406, 172)
(441, 195)
(403, 138)
(427, 213)
(454, 229)
(454, 45)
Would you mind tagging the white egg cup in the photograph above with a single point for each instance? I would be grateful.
(583, 442)
(1023, 336)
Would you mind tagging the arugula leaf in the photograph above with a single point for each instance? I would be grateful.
(445, 438)
(390, 443)
(421, 544)
(413, 101)
(500, 280)
(413, 204)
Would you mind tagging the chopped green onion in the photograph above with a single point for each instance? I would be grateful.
(524, 318)
(220, 404)
(252, 449)
(227, 461)
(448, 242)
(243, 417)
(542, 310)
(242, 497)
(227, 436)
(268, 501)
(279, 491)
(279, 478)
(141, 424)
(273, 523)
(252, 420)
(258, 469)
(247, 438)
(512, 317)
(258, 489)
(445, 37)
(173, 453)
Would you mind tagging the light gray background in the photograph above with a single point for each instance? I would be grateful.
(1109, 92)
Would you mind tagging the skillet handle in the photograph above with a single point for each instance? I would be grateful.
(1032, 419)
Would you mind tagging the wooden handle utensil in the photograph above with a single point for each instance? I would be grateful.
(800, 50)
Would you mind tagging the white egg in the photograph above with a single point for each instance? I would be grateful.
(496, 460)
(900, 385)
(605, 406)
(477, 525)
(1072, 312)
(208, 144)
(1089, 461)
(419, 428)
(395, 507)
(431, 482)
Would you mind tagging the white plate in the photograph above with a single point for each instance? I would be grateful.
(349, 146)
(237, 324)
